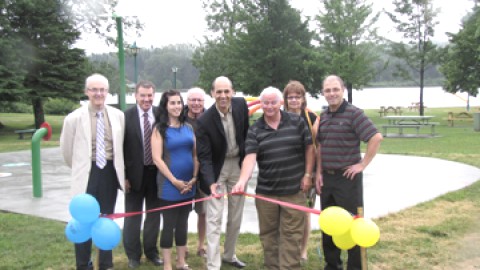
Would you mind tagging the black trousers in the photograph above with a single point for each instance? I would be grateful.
(151, 226)
(103, 185)
(348, 194)
(175, 224)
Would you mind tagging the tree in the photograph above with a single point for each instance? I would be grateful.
(95, 17)
(416, 20)
(346, 33)
(49, 64)
(11, 73)
(461, 65)
(265, 43)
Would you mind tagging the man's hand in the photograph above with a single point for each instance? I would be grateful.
(352, 170)
(127, 186)
(239, 188)
(216, 190)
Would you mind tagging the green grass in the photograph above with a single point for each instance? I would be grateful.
(429, 235)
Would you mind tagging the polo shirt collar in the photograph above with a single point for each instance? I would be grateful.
(341, 109)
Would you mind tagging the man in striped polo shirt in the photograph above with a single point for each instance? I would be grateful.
(339, 176)
(282, 145)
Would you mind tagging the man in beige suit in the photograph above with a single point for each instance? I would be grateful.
(92, 146)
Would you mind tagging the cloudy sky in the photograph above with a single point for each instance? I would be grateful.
(182, 21)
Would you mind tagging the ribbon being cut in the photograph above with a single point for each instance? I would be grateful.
(87, 222)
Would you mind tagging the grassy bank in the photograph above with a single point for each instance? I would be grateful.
(440, 234)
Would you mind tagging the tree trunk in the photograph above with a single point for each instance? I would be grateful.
(350, 92)
(422, 74)
(38, 112)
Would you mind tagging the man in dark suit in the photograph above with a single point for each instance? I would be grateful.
(221, 133)
(140, 182)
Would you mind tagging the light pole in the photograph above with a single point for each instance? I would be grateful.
(121, 62)
(134, 49)
(174, 70)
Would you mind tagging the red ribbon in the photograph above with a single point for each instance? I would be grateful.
(286, 204)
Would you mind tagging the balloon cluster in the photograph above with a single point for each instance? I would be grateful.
(347, 231)
(87, 223)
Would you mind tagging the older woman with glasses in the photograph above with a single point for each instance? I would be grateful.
(295, 101)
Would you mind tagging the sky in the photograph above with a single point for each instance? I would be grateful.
(183, 21)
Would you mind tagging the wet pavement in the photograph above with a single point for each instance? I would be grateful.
(391, 183)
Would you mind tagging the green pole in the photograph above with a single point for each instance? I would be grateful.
(36, 162)
(121, 63)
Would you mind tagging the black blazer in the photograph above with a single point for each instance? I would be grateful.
(133, 148)
(211, 141)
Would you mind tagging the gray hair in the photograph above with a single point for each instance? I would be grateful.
(195, 90)
(96, 77)
(271, 90)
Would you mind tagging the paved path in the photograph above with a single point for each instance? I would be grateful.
(391, 183)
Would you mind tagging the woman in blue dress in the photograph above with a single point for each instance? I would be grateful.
(174, 154)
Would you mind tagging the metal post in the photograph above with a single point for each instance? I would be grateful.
(121, 63)
(174, 69)
(36, 162)
(134, 49)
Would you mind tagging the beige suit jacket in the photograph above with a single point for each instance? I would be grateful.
(76, 145)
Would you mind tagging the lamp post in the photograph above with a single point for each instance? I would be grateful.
(134, 49)
(121, 62)
(174, 70)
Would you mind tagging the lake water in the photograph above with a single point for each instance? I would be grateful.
(370, 98)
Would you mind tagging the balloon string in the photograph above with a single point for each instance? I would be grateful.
(286, 204)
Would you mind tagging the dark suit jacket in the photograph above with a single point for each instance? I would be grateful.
(211, 141)
(133, 148)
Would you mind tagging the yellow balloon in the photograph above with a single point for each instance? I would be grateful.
(335, 220)
(365, 232)
(344, 241)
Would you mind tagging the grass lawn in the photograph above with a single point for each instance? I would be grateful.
(440, 234)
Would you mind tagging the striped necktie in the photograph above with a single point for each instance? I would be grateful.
(147, 135)
(101, 160)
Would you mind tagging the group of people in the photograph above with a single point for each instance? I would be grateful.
(168, 155)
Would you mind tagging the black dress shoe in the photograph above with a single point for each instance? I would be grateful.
(156, 261)
(132, 264)
(235, 263)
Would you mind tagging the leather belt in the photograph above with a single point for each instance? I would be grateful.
(332, 172)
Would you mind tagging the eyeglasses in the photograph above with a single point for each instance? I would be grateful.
(294, 97)
(98, 90)
(195, 100)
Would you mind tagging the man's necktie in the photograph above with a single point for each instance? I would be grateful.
(147, 135)
(100, 151)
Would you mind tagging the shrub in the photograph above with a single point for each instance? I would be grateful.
(59, 106)
(15, 107)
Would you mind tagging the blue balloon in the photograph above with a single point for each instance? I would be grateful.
(84, 208)
(105, 234)
(77, 232)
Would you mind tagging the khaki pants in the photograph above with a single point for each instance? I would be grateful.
(281, 231)
(227, 179)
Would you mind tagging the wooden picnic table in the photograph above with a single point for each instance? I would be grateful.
(416, 122)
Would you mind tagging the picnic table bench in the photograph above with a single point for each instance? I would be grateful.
(409, 122)
(461, 116)
(22, 132)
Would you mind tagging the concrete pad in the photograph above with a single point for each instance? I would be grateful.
(391, 183)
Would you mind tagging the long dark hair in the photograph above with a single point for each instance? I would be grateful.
(161, 114)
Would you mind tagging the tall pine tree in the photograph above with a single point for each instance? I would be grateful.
(44, 36)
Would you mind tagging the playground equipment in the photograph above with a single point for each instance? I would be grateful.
(45, 132)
